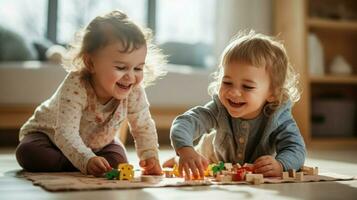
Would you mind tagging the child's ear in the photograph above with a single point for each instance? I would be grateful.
(271, 98)
(88, 62)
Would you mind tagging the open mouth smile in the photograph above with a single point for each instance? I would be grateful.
(124, 86)
(236, 104)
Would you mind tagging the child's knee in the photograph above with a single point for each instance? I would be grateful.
(24, 154)
(31, 157)
(115, 155)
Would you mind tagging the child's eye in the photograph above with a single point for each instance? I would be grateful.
(246, 87)
(138, 68)
(120, 68)
(226, 83)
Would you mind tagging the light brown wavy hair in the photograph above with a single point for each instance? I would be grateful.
(261, 51)
(115, 26)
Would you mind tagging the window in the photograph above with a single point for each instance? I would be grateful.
(24, 24)
(75, 14)
(186, 30)
(21, 25)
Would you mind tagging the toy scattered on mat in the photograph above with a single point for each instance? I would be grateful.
(124, 172)
(113, 174)
(221, 172)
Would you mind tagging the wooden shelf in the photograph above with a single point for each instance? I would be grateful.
(335, 141)
(332, 24)
(14, 116)
(330, 79)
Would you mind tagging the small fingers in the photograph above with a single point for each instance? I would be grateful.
(187, 171)
(107, 165)
(264, 169)
(200, 168)
(193, 168)
(262, 162)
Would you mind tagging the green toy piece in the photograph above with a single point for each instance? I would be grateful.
(113, 174)
(218, 168)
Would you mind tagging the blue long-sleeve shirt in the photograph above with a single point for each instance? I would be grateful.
(242, 141)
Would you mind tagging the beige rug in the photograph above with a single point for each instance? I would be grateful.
(72, 181)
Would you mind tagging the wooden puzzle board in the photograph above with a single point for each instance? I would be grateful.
(71, 181)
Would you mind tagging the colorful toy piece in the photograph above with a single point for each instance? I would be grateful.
(113, 174)
(218, 168)
(126, 171)
(208, 171)
(239, 174)
(168, 172)
(175, 171)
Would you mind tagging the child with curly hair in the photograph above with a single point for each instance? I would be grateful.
(109, 65)
(249, 119)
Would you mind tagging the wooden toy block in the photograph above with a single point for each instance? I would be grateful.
(258, 181)
(310, 170)
(250, 178)
(228, 166)
(224, 178)
(292, 173)
(168, 172)
(300, 176)
(316, 171)
(285, 175)
(126, 171)
(225, 172)
(238, 165)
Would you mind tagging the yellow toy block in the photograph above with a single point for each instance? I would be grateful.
(126, 171)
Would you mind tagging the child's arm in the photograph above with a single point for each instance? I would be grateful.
(290, 146)
(143, 130)
(187, 128)
(71, 100)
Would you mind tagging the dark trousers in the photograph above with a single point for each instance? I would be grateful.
(36, 153)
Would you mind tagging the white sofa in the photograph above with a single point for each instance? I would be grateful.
(29, 83)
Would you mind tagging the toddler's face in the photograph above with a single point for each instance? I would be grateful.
(115, 73)
(245, 89)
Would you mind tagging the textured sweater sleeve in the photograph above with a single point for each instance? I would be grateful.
(71, 101)
(141, 124)
(290, 146)
(192, 124)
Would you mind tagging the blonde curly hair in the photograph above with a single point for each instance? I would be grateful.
(117, 26)
(261, 51)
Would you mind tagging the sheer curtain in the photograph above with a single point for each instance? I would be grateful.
(236, 15)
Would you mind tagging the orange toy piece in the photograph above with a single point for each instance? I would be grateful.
(175, 171)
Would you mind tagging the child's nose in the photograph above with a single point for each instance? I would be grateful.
(130, 75)
(235, 92)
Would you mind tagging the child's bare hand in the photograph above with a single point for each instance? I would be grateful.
(151, 166)
(97, 166)
(268, 166)
(191, 162)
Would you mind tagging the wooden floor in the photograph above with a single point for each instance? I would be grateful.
(340, 160)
